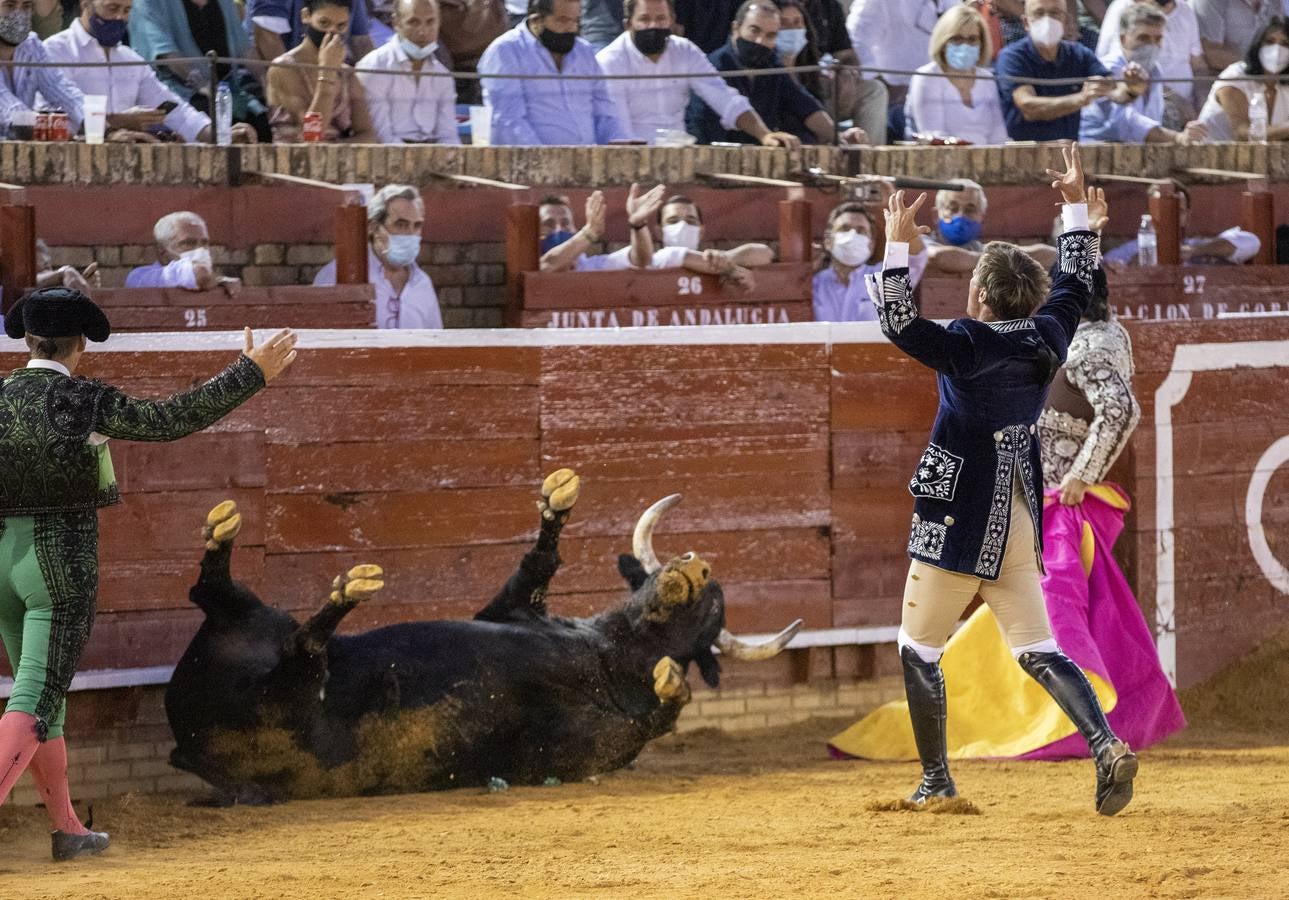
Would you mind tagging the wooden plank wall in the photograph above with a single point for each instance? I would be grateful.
(793, 460)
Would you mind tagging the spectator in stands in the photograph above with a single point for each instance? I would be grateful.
(405, 296)
(1232, 246)
(547, 110)
(782, 104)
(19, 84)
(837, 290)
(276, 26)
(183, 258)
(564, 250)
(681, 223)
(295, 88)
(706, 22)
(415, 108)
(845, 92)
(1262, 73)
(1227, 28)
(965, 105)
(48, 17)
(893, 35)
(64, 276)
(1141, 119)
(1048, 112)
(648, 47)
(165, 31)
(959, 217)
(134, 93)
(1181, 54)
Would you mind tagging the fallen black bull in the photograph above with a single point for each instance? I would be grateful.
(264, 708)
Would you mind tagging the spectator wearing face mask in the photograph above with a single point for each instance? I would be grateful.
(275, 26)
(1050, 112)
(781, 103)
(183, 258)
(837, 290)
(546, 111)
(955, 245)
(20, 84)
(420, 106)
(1262, 74)
(681, 223)
(1141, 120)
(405, 296)
(964, 105)
(648, 47)
(564, 249)
(1181, 55)
(1229, 27)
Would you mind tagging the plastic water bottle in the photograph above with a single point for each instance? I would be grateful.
(223, 115)
(1147, 243)
(1258, 117)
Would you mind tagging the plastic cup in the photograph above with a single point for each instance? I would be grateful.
(95, 108)
(481, 125)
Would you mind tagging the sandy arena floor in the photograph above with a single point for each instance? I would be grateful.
(712, 816)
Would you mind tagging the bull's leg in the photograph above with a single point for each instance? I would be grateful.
(525, 591)
(347, 591)
(672, 691)
(215, 590)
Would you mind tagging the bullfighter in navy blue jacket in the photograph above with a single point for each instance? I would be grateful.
(977, 522)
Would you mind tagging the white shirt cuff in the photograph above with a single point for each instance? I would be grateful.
(275, 24)
(897, 254)
(1074, 217)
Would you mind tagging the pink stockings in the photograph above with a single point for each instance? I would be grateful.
(18, 749)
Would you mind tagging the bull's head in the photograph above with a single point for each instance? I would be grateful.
(682, 602)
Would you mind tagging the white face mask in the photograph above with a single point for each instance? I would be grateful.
(850, 248)
(681, 234)
(1274, 58)
(1046, 31)
(198, 256)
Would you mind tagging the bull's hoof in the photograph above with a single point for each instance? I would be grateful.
(559, 493)
(358, 584)
(669, 681)
(222, 525)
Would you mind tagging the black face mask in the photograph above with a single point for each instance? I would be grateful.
(650, 40)
(558, 41)
(314, 35)
(754, 56)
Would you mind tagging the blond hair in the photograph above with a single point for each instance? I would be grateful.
(1013, 283)
(950, 23)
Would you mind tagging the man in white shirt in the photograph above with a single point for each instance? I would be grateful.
(405, 296)
(183, 254)
(648, 47)
(1181, 54)
(564, 249)
(138, 103)
(681, 222)
(419, 107)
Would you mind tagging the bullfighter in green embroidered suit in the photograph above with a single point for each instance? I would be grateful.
(55, 473)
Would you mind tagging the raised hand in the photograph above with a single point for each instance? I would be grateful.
(331, 54)
(640, 209)
(901, 220)
(274, 355)
(594, 227)
(1069, 182)
(1098, 209)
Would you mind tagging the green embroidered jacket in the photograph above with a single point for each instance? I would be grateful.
(47, 463)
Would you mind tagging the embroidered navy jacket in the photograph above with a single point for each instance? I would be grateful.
(993, 380)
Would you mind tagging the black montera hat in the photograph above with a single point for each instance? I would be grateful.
(57, 312)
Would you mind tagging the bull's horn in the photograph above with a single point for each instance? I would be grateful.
(642, 540)
(732, 647)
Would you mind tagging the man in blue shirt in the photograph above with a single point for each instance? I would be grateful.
(1141, 37)
(545, 110)
(782, 103)
(1046, 112)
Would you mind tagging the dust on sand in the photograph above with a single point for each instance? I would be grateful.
(710, 815)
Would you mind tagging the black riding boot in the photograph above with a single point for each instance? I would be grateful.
(924, 686)
(1070, 688)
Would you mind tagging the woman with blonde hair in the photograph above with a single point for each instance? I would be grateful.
(963, 105)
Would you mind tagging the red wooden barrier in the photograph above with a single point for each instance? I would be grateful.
(17, 246)
(172, 309)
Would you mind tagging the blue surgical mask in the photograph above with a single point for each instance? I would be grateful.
(415, 52)
(403, 249)
(960, 230)
(554, 239)
(791, 42)
(961, 56)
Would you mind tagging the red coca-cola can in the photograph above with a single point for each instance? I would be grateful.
(312, 130)
(41, 130)
(60, 126)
